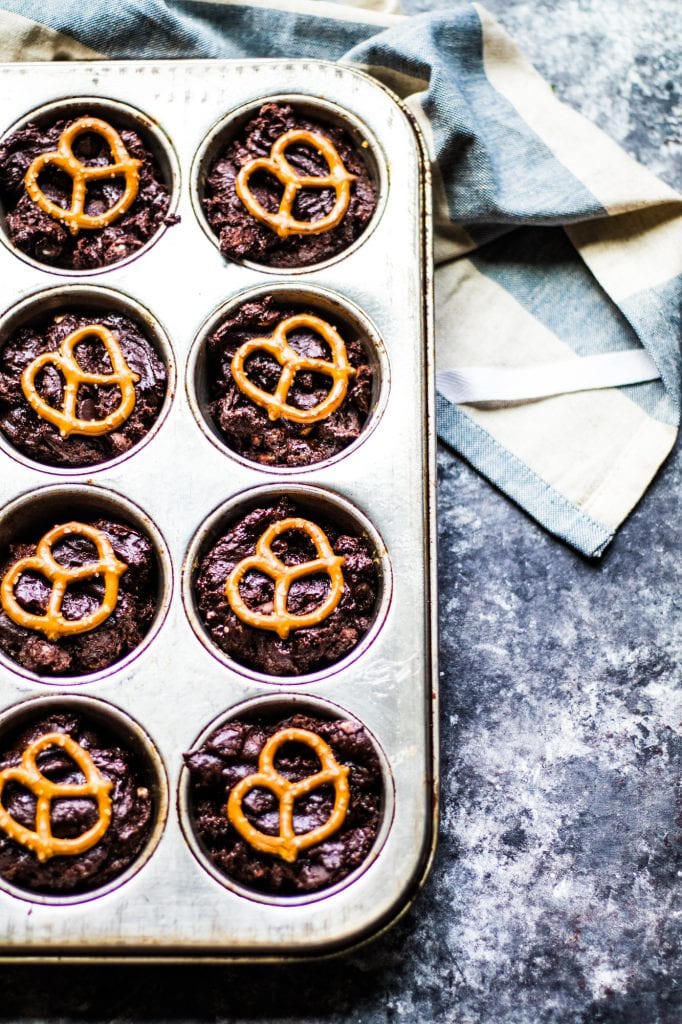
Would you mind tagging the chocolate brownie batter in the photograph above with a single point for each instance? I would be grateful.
(47, 240)
(242, 237)
(232, 753)
(304, 650)
(131, 801)
(120, 633)
(246, 427)
(41, 440)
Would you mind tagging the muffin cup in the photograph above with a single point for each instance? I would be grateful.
(319, 504)
(276, 707)
(119, 114)
(324, 111)
(122, 728)
(30, 512)
(97, 299)
(319, 301)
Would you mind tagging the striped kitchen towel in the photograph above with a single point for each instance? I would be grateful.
(558, 258)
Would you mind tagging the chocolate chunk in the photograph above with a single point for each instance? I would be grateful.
(246, 427)
(217, 767)
(304, 650)
(131, 799)
(40, 440)
(45, 239)
(243, 237)
(120, 633)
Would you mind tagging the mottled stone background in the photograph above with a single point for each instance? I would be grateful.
(555, 896)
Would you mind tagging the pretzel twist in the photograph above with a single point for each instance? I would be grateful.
(283, 223)
(66, 362)
(264, 560)
(41, 841)
(288, 844)
(124, 166)
(52, 623)
(292, 362)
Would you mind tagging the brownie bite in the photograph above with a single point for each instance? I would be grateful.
(48, 240)
(120, 632)
(38, 438)
(245, 426)
(304, 649)
(241, 236)
(130, 792)
(232, 754)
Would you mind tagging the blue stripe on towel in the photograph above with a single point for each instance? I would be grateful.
(656, 315)
(494, 168)
(510, 474)
(153, 29)
(540, 268)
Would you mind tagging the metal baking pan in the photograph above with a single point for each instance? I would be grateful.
(174, 689)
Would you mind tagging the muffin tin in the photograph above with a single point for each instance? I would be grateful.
(181, 482)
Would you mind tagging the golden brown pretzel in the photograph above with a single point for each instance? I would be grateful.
(52, 623)
(288, 844)
(65, 361)
(264, 560)
(124, 166)
(292, 362)
(42, 842)
(283, 223)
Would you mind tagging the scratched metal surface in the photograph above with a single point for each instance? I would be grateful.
(175, 686)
